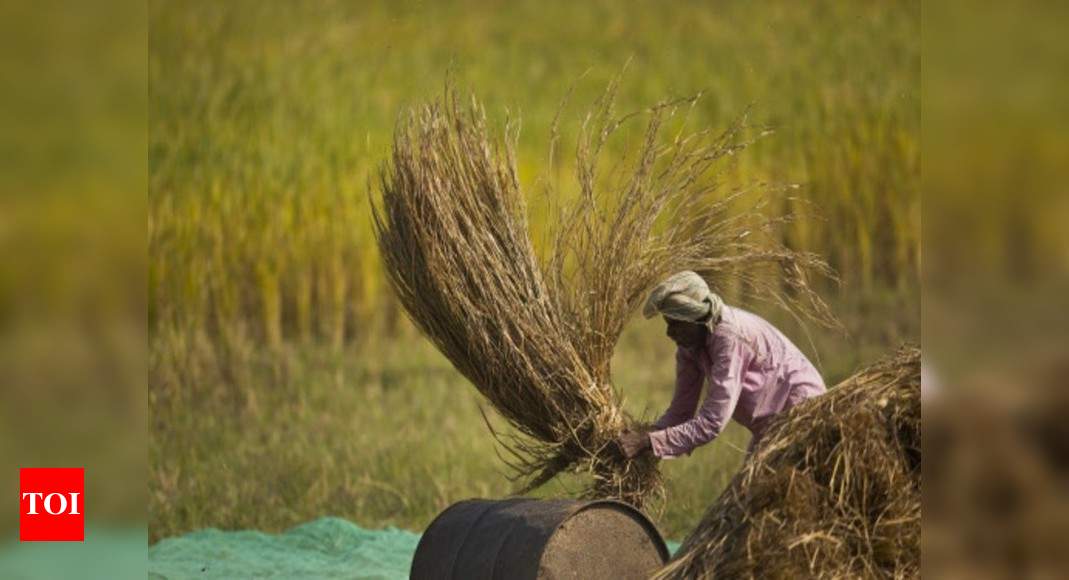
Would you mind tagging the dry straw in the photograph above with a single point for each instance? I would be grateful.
(834, 491)
(535, 336)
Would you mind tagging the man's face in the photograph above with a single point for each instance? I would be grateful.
(686, 334)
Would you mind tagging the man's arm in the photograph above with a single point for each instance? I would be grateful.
(689, 381)
(730, 357)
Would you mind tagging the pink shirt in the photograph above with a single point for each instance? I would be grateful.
(753, 371)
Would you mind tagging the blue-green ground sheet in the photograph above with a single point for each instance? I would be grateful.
(324, 548)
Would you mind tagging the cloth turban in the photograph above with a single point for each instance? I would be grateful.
(683, 296)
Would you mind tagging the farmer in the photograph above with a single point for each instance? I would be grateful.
(754, 372)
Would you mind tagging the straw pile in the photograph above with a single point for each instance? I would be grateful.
(535, 336)
(834, 491)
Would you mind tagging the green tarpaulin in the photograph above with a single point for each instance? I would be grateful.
(324, 548)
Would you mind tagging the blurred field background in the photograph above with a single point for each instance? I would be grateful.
(996, 277)
(284, 383)
(72, 276)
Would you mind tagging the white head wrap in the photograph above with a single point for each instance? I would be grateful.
(683, 296)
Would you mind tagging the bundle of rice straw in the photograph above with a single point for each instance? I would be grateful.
(833, 491)
(535, 336)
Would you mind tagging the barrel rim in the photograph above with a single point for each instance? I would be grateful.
(645, 521)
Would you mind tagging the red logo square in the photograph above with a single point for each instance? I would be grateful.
(52, 504)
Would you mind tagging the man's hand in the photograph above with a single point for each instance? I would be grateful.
(633, 443)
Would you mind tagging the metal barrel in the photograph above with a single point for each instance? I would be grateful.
(521, 538)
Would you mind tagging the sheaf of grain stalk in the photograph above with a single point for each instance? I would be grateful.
(834, 491)
(535, 335)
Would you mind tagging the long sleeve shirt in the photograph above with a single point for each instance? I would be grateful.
(753, 373)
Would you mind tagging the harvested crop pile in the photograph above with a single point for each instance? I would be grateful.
(834, 491)
(535, 336)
